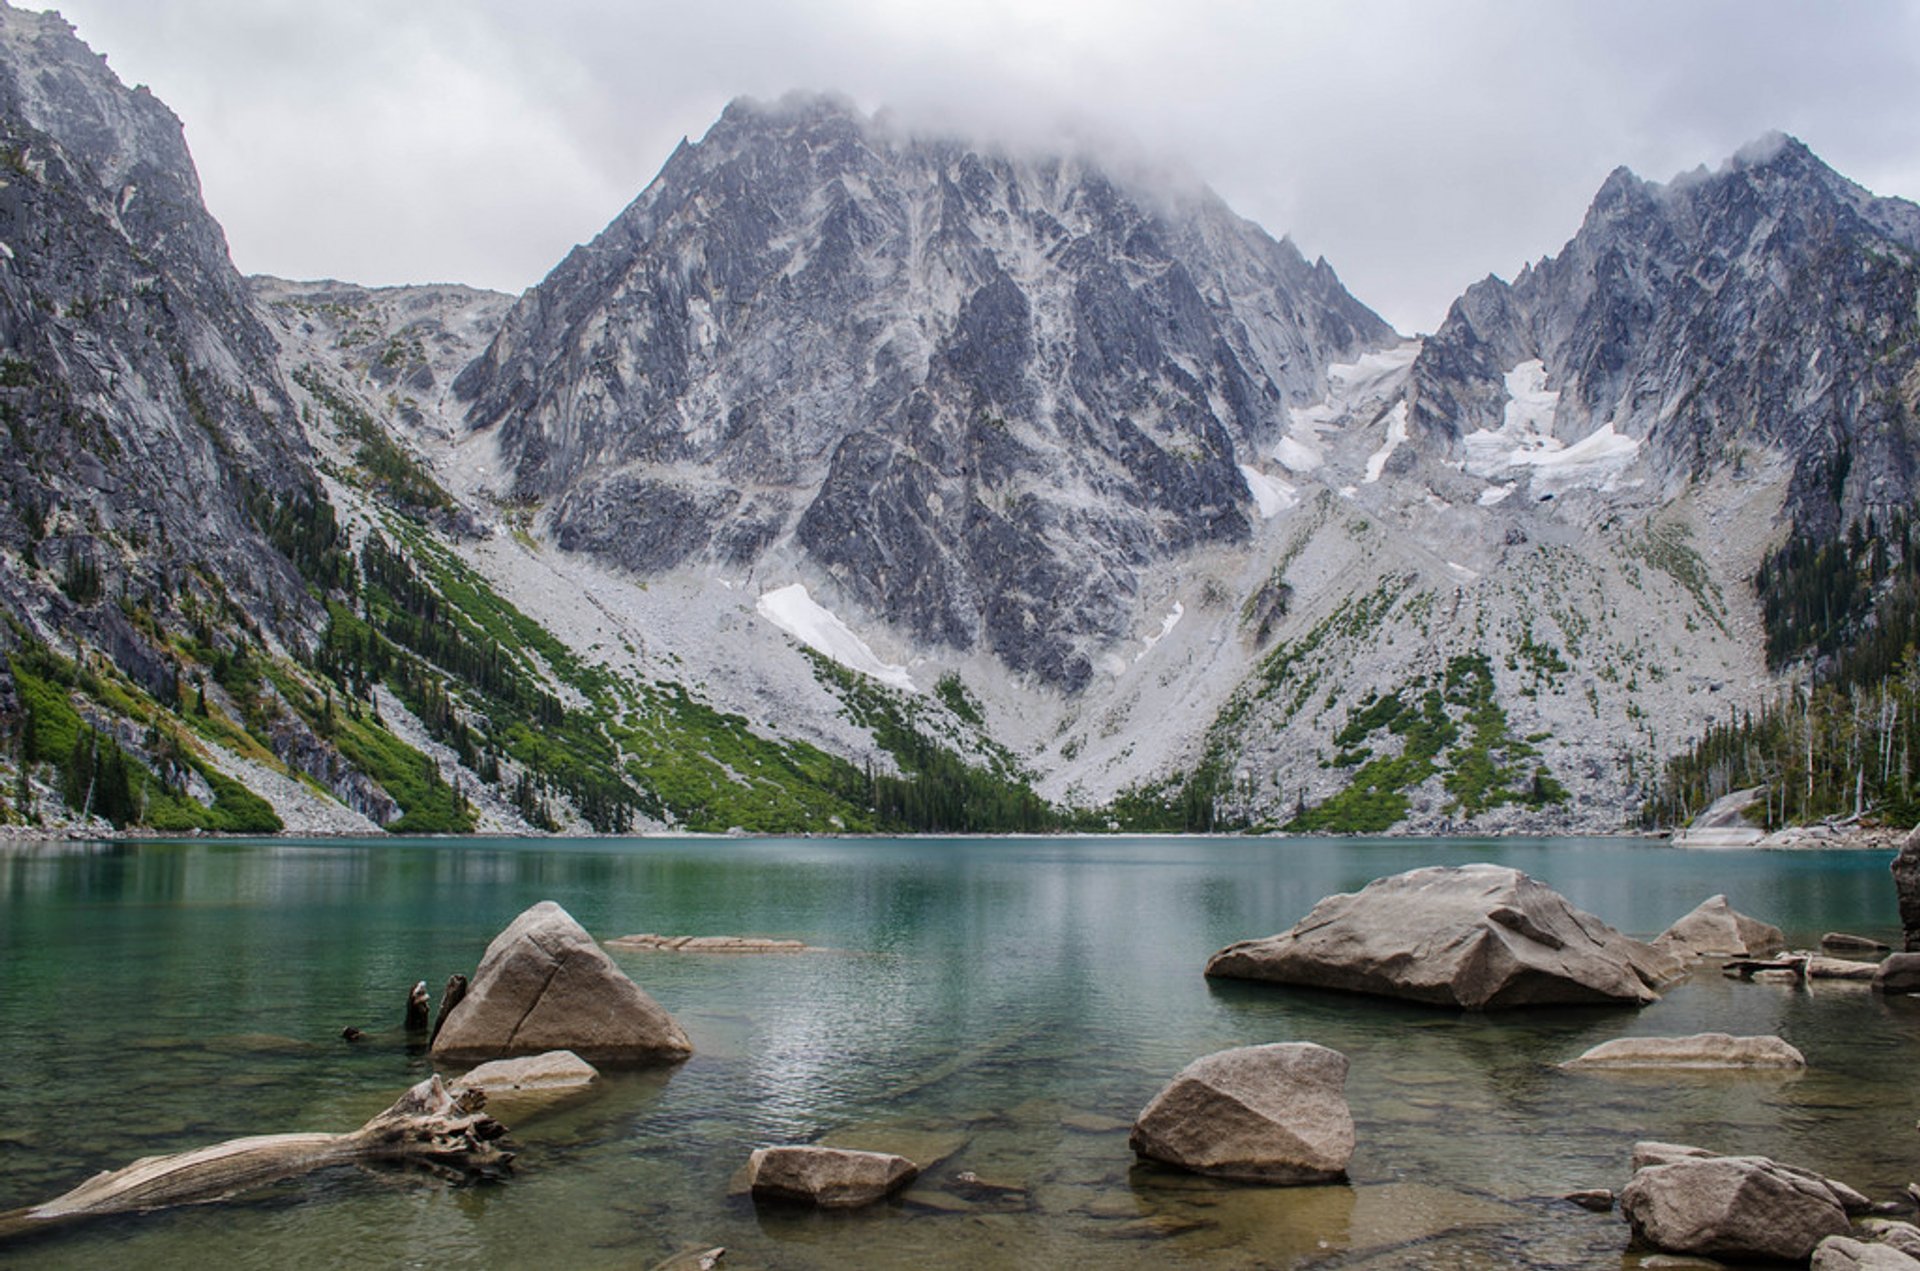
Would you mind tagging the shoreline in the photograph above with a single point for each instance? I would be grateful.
(1824, 838)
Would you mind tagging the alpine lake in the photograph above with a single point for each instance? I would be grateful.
(1004, 1007)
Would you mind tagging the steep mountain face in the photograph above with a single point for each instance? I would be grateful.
(1768, 305)
(149, 436)
(743, 517)
(974, 395)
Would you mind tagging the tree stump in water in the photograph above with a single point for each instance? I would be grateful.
(426, 1124)
(449, 998)
(419, 1006)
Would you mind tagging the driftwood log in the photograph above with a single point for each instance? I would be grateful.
(427, 1125)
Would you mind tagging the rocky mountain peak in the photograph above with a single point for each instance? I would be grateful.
(1766, 305)
(972, 393)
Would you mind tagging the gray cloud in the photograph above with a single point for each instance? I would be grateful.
(1418, 146)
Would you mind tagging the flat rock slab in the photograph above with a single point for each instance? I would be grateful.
(828, 1177)
(1269, 1114)
(545, 985)
(1715, 929)
(648, 943)
(1708, 1051)
(1474, 936)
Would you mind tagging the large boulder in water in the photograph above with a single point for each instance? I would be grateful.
(1270, 1114)
(1714, 928)
(1744, 1208)
(545, 985)
(1475, 936)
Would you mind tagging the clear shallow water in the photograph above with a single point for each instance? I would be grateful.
(1010, 1004)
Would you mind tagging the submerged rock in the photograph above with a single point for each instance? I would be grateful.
(830, 1177)
(1702, 1050)
(545, 985)
(1715, 929)
(1270, 1114)
(1475, 936)
(1738, 1207)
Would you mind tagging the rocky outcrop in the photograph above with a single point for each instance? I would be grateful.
(1906, 886)
(1475, 936)
(1703, 1050)
(1733, 1207)
(1270, 1114)
(545, 985)
(1714, 929)
(829, 1177)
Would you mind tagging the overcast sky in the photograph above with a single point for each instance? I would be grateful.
(1417, 145)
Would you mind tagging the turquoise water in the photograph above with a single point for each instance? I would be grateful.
(1007, 1005)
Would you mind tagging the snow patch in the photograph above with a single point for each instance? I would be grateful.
(1167, 624)
(1396, 433)
(795, 612)
(1525, 440)
(1494, 495)
(1296, 455)
(1270, 494)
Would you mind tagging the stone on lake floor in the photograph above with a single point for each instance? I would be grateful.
(1473, 936)
(545, 985)
(1274, 1114)
(1736, 1207)
(1700, 1051)
(827, 1177)
(1715, 929)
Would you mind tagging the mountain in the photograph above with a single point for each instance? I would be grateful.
(148, 433)
(858, 480)
(974, 394)
(1768, 305)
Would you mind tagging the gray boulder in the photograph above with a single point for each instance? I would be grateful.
(1898, 973)
(1702, 1050)
(1906, 885)
(545, 985)
(1714, 929)
(1270, 1114)
(829, 1177)
(1475, 936)
(1733, 1207)
(1843, 1253)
